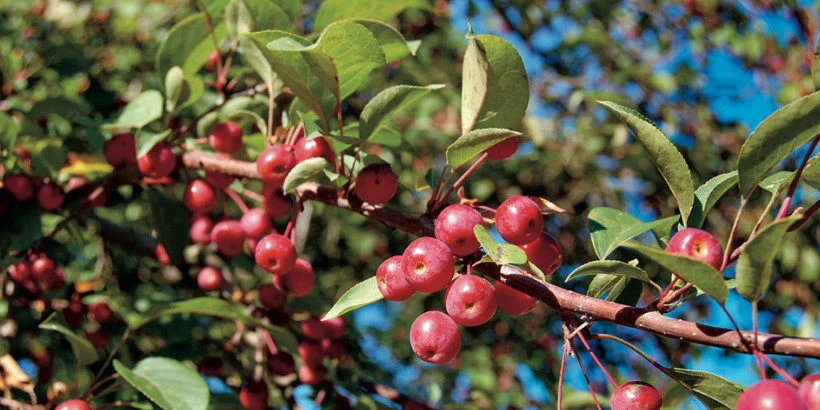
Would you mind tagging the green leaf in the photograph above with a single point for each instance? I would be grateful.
(610, 228)
(501, 254)
(387, 103)
(707, 195)
(188, 45)
(475, 142)
(712, 390)
(171, 221)
(614, 268)
(393, 44)
(312, 128)
(245, 16)
(174, 83)
(333, 10)
(775, 182)
(142, 110)
(603, 283)
(776, 137)
(495, 91)
(83, 350)
(692, 270)
(811, 174)
(168, 383)
(308, 170)
(754, 267)
(24, 226)
(255, 118)
(363, 293)
(663, 153)
(815, 66)
(48, 162)
(8, 130)
(147, 139)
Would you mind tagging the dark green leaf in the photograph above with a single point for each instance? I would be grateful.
(171, 222)
(83, 350)
(610, 228)
(168, 383)
(475, 142)
(147, 139)
(255, 118)
(188, 45)
(712, 390)
(707, 195)
(815, 66)
(333, 10)
(363, 293)
(387, 103)
(754, 267)
(615, 268)
(48, 162)
(309, 170)
(142, 110)
(606, 283)
(312, 128)
(24, 227)
(8, 130)
(811, 174)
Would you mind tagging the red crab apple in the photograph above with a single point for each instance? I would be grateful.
(770, 395)
(20, 186)
(210, 279)
(201, 226)
(226, 137)
(43, 268)
(275, 254)
(256, 224)
(228, 237)
(313, 148)
(271, 297)
(120, 150)
(635, 395)
(810, 391)
(376, 184)
(211, 63)
(428, 265)
(454, 227)
(503, 149)
(159, 162)
(311, 353)
(299, 281)
(281, 363)
(273, 165)
(20, 272)
(470, 300)
(698, 244)
(74, 404)
(512, 301)
(391, 282)
(199, 196)
(435, 337)
(334, 328)
(254, 395)
(333, 349)
(219, 180)
(100, 312)
(312, 375)
(544, 253)
(50, 196)
(313, 329)
(518, 220)
(277, 204)
(98, 338)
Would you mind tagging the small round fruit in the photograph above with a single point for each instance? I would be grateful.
(210, 279)
(376, 184)
(226, 137)
(470, 300)
(277, 204)
(334, 328)
(219, 180)
(512, 301)
(43, 268)
(228, 237)
(98, 338)
(199, 196)
(201, 226)
(313, 148)
(519, 220)
(100, 312)
(271, 297)
(212, 62)
(698, 244)
(312, 328)
(311, 353)
(391, 281)
(254, 395)
(74, 404)
(810, 391)
(333, 349)
(273, 165)
(275, 254)
(256, 224)
(20, 272)
(120, 150)
(770, 395)
(428, 265)
(503, 149)
(50, 196)
(435, 337)
(159, 162)
(313, 375)
(636, 396)
(281, 364)
(454, 227)
(299, 281)
(544, 253)
(20, 186)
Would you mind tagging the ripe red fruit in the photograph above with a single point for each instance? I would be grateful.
(75, 310)
(281, 364)
(50, 196)
(219, 180)
(256, 224)
(201, 226)
(120, 150)
(312, 328)
(43, 268)
(770, 395)
(311, 353)
(519, 220)
(512, 301)
(254, 395)
(271, 297)
(313, 148)
(333, 349)
(98, 338)
(162, 255)
(428, 265)
(228, 237)
(544, 253)
(299, 281)
(20, 186)
(199, 196)
(435, 337)
(635, 396)
(20, 272)
(454, 227)
(273, 165)
(698, 244)
(503, 149)
(100, 312)
(312, 375)
(158, 162)
(210, 279)
(211, 63)
(810, 391)
(334, 328)
(276, 203)
(376, 184)
(391, 281)
(470, 300)
(75, 404)
(226, 137)
(275, 254)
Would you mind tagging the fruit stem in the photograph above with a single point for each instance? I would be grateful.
(728, 248)
(583, 340)
(561, 374)
(754, 338)
(586, 377)
(437, 189)
(252, 195)
(269, 342)
(777, 369)
(236, 199)
(466, 174)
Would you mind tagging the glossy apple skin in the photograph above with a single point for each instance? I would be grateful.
(435, 338)
(314, 148)
(428, 265)
(299, 281)
(199, 196)
(281, 364)
(226, 137)
(454, 227)
(313, 375)
(254, 396)
(518, 220)
(376, 184)
(271, 297)
(391, 281)
(277, 204)
(636, 395)
(810, 391)
(698, 244)
(470, 300)
(75, 404)
(159, 162)
(100, 312)
(256, 224)
(120, 150)
(20, 186)
(201, 226)
(313, 329)
(771, 395)
(503, 149)
(50, 196)
(228, 237)
(512, 301)
(311, 353)
(210, 279)
(544, 253)
(275, 254)
(273, 165)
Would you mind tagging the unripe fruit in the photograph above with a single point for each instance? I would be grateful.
(313, 329)
(334, 328)
(20, 272)
(271, 297)
(50, 196)
(201, 226)
(219, 180)
(544, 253)
(519, 220)
(376, 184)
(428, 265)
(256, 224)
(698, 244)
(20, 186)
(273, 165)
(503, 149)
(277, 204)
(311, 353)
(211, 63)
(810, 391)
(228, 237)
(100, 312)
(470, 300)
(313, 148)
(120, 150)
(226, 137)
(435, 337)
(635, 396)
(159, 162)
(254, 395)
(312, 375)
(210, 279)
(199, 196)
(454, 227)
(512, 301)
(391, 281)
(770, 395)
(281, 364)
(275, 254)
(75, 404)
(299, 281)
